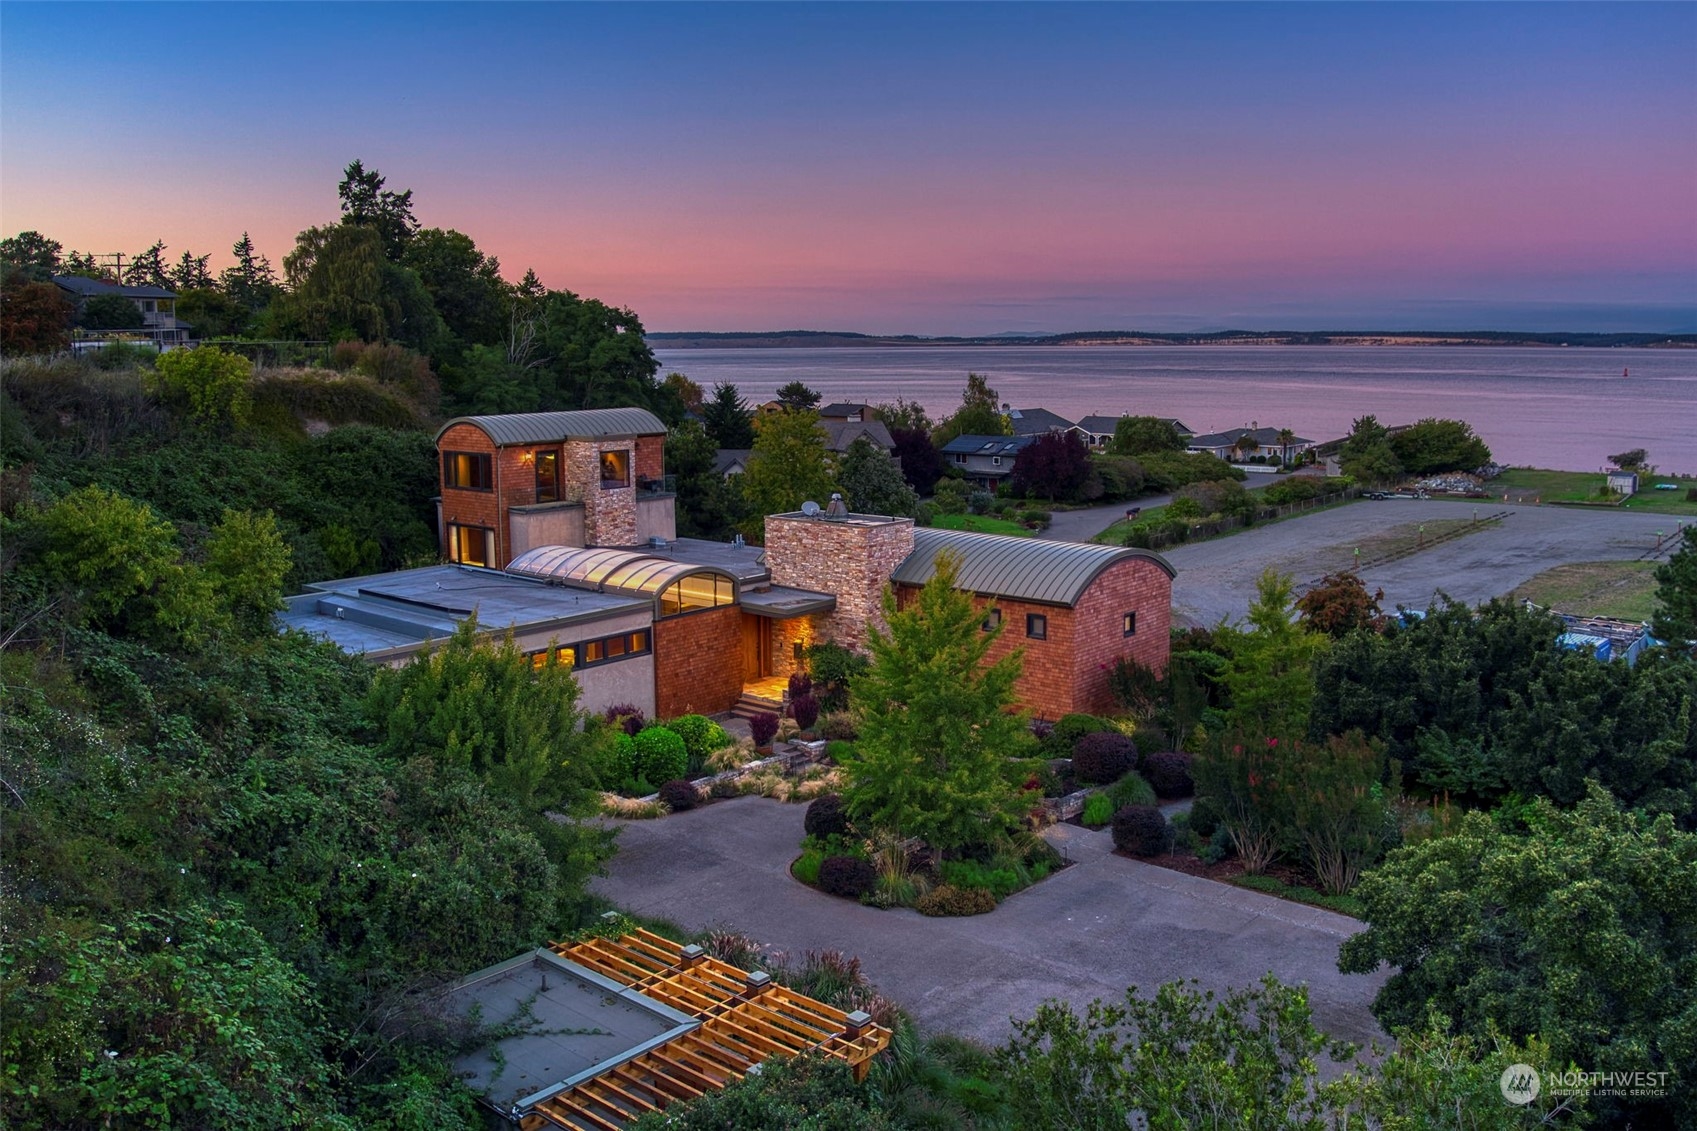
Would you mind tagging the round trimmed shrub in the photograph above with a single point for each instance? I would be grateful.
(623, 758)
(1204, 817)
(826, 817)
(660, 754)
(1103, 757)
(1169, 774)
(1140, 830)
(1066, 732)
(701, 736)
(804, 709)
(679, 795)
(847, 876)
(946, 899)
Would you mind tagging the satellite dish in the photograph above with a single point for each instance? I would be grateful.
(810, 509)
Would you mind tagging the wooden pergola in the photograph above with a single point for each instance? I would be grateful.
(746, 1019)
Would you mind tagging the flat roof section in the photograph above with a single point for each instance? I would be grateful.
(745, 563)
(565, 1023)
(392, 613)
(780, 602)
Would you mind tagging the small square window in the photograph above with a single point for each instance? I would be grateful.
(995, 461)
(1128, 624)
(992, 620)
(1037, 626)
(615, 469)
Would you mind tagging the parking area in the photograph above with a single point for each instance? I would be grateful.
(1087, 932)
(1216, 579)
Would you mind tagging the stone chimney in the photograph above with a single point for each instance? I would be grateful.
(851, 557)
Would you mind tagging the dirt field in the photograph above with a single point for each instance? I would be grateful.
(1217, 579)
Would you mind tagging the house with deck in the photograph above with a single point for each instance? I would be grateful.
(156, 308)
(985, 460)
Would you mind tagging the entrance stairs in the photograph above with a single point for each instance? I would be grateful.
(752, 704)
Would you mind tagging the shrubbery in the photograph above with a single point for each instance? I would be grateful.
(1130, 790)
(805, 711)
(1140, 830)
(763, 727)
(1098, 810)
(1103, 757)
(1066, 732)
(1169, 774)
(947, 900)
(660, 754)
(848, 876)
(826, 817)
(701, 737)
(679, 795)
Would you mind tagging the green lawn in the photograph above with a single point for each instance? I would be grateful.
(1595, 589)
(980, 524)
(1529, 485)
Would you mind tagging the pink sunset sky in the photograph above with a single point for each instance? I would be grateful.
(911, 169)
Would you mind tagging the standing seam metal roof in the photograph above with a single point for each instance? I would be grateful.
(1054, 573)
(552, 427)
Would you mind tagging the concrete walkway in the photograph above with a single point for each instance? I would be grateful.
(1087, 932)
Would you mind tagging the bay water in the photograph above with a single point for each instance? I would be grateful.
(1564, 408)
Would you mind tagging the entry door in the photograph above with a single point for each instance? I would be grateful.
(756, 648)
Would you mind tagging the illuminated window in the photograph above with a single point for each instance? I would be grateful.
(1128, 624)
(589, 653)
(992, 620)
(1037, 626)
(615, 469)
(547, 477)
(468, 471)
(471, 545)
(698, 591)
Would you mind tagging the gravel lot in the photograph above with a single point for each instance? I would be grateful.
(1217, 579)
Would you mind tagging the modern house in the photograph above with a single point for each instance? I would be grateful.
(985, 460)
(1240, 444)
(156, 308)
(680, 626)
(1098, 431)
(1035, 421)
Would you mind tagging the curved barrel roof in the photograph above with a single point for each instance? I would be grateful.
(553, 427)
(1025, 569)
(613, 569)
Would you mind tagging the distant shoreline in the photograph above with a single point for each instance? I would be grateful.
(828, 339)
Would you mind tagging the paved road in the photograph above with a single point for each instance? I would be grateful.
(1086, 932)
(1217, 578)
(1083, 525)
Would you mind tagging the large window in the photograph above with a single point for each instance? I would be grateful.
(469, 471)
(592, 653)
(471, 545)
(547, 477)
(615, 469)
(697, 591)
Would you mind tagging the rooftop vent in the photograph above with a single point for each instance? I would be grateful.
(657, 543)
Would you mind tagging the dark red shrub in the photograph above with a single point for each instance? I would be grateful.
(1140, 830)
(847, 876)
(764, 727)
(800, 684)
(1102, 758)
(626, 716)
(805, 711)
(679, 795)
(826, 817)
(1169, 774)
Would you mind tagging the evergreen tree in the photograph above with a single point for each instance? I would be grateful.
(1270, 670)
(251, 282)
(367, 204)
(728, 419)
(190, 273)
(148, 269)
(935, 722)
(872, 482)
(797, 397)
(1676, 595)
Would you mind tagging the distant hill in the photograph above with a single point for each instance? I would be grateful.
(843, 339)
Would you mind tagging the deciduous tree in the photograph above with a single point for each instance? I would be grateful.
(935, 722)
(29, 257)
(1676, 595)
(1430, 446)
(789, 466)
(1340, 604)
(872, 482)
(1139, 435)
(1366, 453)
(1055, 466)
(35, 318)
(979, 414)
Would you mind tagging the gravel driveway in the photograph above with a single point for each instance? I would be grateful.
(1088, 931)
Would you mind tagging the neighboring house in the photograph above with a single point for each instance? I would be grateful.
(1098, 431)
(846, 413)
(985, 460)
(156, 307)
(589, 478)
(731, 461)
(683, 625)
(844, 433)
(1228, 445)
(1035, 421)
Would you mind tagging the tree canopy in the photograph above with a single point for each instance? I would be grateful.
(1139, 435)
(789, 466)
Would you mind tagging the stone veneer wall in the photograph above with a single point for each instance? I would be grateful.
(609, 515)
(853, 560)
(698, 662)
